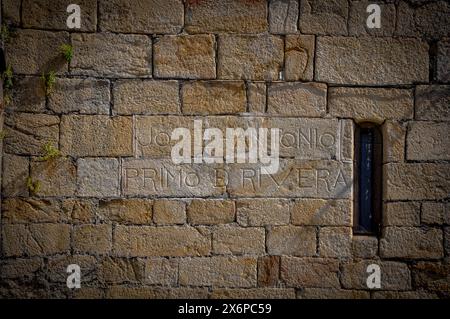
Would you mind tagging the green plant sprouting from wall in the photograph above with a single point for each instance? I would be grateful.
(49, 80)
(33, 186)
(5, 32)
(7, 78)
(67, 52)
(50, 152)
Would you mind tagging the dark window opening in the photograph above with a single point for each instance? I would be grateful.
(368, 175)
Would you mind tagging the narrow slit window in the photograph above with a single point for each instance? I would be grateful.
(368, 174)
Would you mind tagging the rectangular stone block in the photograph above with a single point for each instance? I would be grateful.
(185, 57)
(26, 133)
(323, 17)
(146, 97)
(111, 55)
(127, 292)
(20, 268)
(253, 293)
(256, 97)
(394, 139)
(443, 61)
(163, 178)
(84, 96)
(25, 53)
(226, 16)
(51, 14)
(214, 97)
(126, 211)
(320, 212)
(401, 214)
(371, 61)
(283, 16)
(235, 240)
(268, 271)
(411, 243)
(98, 177)
(35, 239)
(57, 177)
(297, 99)
(170, 241)
(310, 272)
(169, 212)
(416, 181)
(371, 104)
(364, 247)
(250, 57)
(292, 240)
(357, 21)
(428, 141)
(100, 135)
(218, 272)
(433, 213)
(92, 239)
(263, 212)
(295, 178)
(27, 95)
(56, 268)
(432, 102)
(335, 242)
(395, 275)
(121, 270)
(299, 57)
(136, 16)
(209, 212)
(161, 271)
(15, 175)
(11, 11)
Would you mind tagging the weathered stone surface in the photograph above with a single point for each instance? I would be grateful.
(120, 270)
(92, 239)
(226, 16)
(98, 177)
(26, 133)
(416, 294)
(428, 141)
(96, 135)
(35, 239)
(256, 97)
(185, 57)
(401, 214)
(253, 293)
(324, 17)
(51, 14)
(297, 99)
(214, 97)
(310, 272)
(411, 243)
(432, 276)
(364, 246)
(25, 53)
(146, 97)
(56, 270)
(395, 275)
(85, 96)
(433, 213)
(416, 181)
(432, 102)
(11, 11)
(335, 242)
(126, 211)
(291, 240)
(89, 293)
(358, 15)
(295, 178)
(344, 60)
(27, 95)
(126, 292)
(394, 136)
(371, 104)
(20, 268)
(443, 61)
(210, 212)
(327, 293)
(430, 19)
(57, 177)
(166, 212)
(218, 272)
(320, 212)
(135, 16)
(250, 57)
(299, 57)
(161, 271)
(263, 212)
(231, 239)
(15, 175)
(163, 178)
(268, 271)
(283, 16)
(132, 241)
(447, 241)
(127, 55)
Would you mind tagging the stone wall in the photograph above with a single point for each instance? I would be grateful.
(139, 225)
